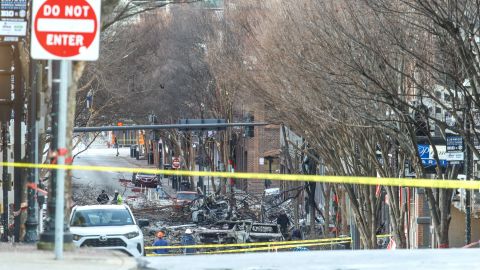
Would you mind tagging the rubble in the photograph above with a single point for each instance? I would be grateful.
(210, 210)
(229, 218)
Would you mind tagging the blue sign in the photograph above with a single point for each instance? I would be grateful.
(427, 156)
(424, 151)
(432, 162)
(454, 143)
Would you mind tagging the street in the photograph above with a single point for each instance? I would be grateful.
(332, 260)
(100, 155)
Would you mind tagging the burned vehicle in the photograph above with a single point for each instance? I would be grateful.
(264, 232)
(145, 180)
(224, 232)
(183, 198)
(209, 211)
(243, 231)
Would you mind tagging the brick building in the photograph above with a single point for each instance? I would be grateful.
(259, 153)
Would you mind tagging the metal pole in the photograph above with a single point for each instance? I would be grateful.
(468, 175)
(6, 181)
(47, 237)
(36, 145)
(214, 126)
(18, 184)
(65, 66)
(200, 161)
(31, 235)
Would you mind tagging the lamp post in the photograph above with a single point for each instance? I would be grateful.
(31, 224)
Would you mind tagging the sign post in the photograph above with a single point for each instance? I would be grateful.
(63, 30)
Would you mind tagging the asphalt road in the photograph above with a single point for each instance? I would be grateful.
(332, 260)
(104, 180)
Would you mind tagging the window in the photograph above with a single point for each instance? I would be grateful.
(101, 217)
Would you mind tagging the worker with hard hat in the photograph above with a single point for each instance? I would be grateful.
(188, 240)
(160, 242)
(117, 198)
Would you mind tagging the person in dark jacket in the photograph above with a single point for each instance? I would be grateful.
(187, 240)
(160, 242)
(296, 235)
(103, 198)
(283, 221)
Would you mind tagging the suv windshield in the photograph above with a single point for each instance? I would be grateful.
(186, 196)
(101, 217)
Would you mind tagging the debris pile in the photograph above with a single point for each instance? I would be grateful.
(236, 217)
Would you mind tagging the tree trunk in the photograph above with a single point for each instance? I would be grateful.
(326, 208)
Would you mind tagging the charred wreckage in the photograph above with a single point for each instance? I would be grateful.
(217, 219)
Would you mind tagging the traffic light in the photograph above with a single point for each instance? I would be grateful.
(249, 130)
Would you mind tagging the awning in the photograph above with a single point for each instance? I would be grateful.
(275, 153)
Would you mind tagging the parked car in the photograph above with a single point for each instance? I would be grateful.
(184, 197)
(107, 227)
(146, 180)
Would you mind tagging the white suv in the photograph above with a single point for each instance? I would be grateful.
(106, 227)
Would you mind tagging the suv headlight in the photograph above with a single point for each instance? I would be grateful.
(131, 235)
(76, 237)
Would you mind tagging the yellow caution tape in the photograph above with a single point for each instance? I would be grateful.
(406, 182)
(272, 248)
(251, 244)
(298, 243)
(268, 248)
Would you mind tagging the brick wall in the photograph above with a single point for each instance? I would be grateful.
(422, 229)
(266, 138)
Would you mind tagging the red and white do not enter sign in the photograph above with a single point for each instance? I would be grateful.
(176, 163)
(66, 29)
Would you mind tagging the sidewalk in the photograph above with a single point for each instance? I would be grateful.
(27, 257)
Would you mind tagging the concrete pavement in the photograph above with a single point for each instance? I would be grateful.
(27, 257)
(420, 259)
